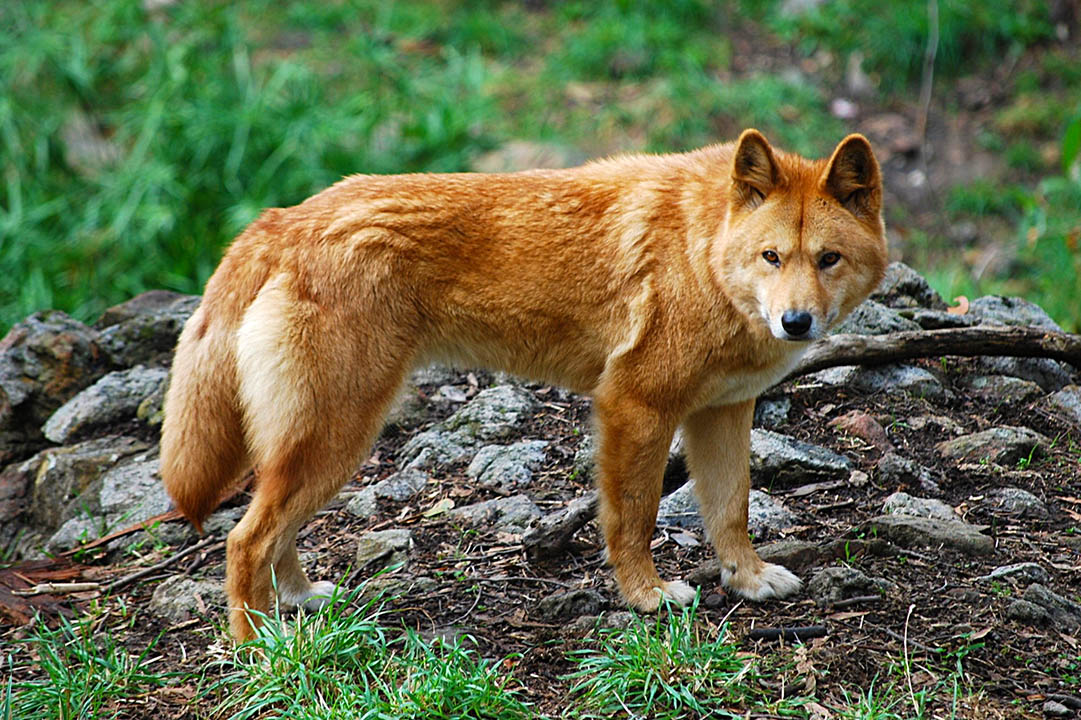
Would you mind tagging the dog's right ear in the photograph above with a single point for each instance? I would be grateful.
(754, 169)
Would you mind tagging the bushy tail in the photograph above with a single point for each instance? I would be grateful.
(202, 439)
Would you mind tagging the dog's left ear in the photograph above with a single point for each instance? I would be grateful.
(854, 179)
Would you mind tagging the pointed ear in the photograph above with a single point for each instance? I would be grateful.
(854, 179)
(754, 169)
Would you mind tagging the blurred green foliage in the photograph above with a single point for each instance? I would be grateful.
(135, 144)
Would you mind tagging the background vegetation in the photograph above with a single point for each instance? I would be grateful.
(137, 138)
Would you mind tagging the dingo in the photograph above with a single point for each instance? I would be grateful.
(671, 288)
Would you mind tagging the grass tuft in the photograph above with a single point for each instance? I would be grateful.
(343, 663)
(660, 668)
(82, 672)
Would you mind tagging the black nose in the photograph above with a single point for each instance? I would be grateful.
(796, 322)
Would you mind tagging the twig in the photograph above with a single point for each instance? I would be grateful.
(908, 665)
(62, 588)
(128, 579)
(858, 600)
(476, 601)
(789, 634)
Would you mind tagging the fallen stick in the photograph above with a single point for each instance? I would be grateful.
(788, 634)
(128, 579)
(962, 342)
(60, 588)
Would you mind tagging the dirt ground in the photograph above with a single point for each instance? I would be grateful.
(484, 584)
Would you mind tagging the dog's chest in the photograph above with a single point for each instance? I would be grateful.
(737, 386)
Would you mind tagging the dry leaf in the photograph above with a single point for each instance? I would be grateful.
(961, 308)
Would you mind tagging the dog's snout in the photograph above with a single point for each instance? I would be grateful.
(796, 322)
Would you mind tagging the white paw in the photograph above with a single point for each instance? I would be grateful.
(678, 592)
(318, 597)
(773, 581)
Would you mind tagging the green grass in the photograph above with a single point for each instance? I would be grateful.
(892, 37)
(194, 128)
(663, 667)
(1047, 266)
(83, 672)
(342, 663)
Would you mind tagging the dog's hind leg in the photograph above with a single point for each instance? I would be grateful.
(314, 387)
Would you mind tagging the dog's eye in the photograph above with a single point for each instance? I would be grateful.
(829, 260)
(772, 258)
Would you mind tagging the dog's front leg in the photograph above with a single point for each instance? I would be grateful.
(718, 444)
(634, 441)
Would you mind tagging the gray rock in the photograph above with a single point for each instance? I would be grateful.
(565, 606)
(1061, 611)
(584, 458)
(511, 514)
(895, 469)
(901, 503)
(1066, 405)
(1002, 388)
(132, 491)
(181, 598)
(1049, 374)
(934, 423)
(492, 415)
(383, 547)
(1053, 708)
(873, 318)
(1003, 445)
(998, 310)
(939, 319)
(839, 582)
(903, 287)
(1016, 502)
(1028, 613)
(75, 531)
(112, 399)
(64, 482)
(362, 503)
(796, 555)
(44, 361)
(144, 330)
(436, 447)
(893, 379)
(771, 412)
(506, 467)
(835, 376)
(401, 486)
(764, 514)
(780, 459)
(908, 532)
(1025, 573)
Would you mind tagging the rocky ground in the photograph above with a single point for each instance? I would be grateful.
(932, 507)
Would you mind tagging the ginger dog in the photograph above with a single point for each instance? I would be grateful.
(673, 289)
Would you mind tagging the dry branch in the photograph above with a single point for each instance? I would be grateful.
(962, 342)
